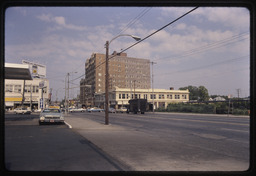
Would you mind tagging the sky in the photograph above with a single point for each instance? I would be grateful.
(208, 47)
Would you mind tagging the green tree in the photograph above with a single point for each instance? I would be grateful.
(197, 93)
(193, 92)
(203, 93)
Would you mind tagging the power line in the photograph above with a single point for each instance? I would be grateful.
(206, 66)
(146, 37)
(159, 29)
(217, 44)
(133, 21)
(150, 35)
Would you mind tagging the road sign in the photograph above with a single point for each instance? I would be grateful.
(41, 103)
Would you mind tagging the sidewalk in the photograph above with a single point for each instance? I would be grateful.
(105, 137)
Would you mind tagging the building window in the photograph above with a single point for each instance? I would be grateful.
(44, 90)
(123, 96)
(177, 96)
(184, 96)
(152, 96)
(127, 96)
(17, 88)
(35, 89)
(161, 96)
(8, 88)
(145, 96)
(27, 88)
(169, 96)
(120, 96)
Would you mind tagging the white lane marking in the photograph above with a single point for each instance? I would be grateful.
(68, 124)
(227, 129)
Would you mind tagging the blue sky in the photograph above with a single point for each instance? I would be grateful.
(208, 47)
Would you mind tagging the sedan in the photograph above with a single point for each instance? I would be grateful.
(95, 110)
(22, 111)
(77, 110)
(51, 116)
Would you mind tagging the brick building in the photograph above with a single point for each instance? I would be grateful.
(124, 72)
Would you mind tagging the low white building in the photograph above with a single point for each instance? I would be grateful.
(32, 93)
(18, 80)
(119, 97)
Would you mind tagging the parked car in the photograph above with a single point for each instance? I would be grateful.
(37, 110)
(22, 111)
(51, 116)
(77, 110)
(122, 110)
(95, 109)
(112, 110)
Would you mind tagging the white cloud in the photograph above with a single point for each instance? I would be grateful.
(60, 20)
(45, 17)
(237, 18)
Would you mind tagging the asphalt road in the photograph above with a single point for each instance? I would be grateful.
(171, 142)
(30, 147)
(149, 142)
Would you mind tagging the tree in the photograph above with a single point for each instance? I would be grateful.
(197, 93)
(193, 92)
(203, 93)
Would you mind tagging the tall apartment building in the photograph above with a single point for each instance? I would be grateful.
(124, 72)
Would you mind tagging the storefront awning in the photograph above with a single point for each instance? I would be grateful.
(17, 71)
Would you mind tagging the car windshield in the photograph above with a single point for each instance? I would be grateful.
(51, 111)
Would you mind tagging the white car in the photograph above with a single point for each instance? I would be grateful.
(122, 110)
(95, 109)
(77, 110)
(22, 111)
(51, 115)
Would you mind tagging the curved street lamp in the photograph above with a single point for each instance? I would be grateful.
(107, 74)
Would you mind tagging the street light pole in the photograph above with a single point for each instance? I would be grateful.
(68, 93)
(106, 85)
(67, 99)
(107, 74)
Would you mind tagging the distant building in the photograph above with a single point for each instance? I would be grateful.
(119, 97)
(124, 72)
(219, 99)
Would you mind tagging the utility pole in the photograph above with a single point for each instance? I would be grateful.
(153, 85)
(134, 89)
(107, 74)
(106, 85)
(238, 92)
(68, 93)
(31, 97)
(23, 94)
(65, 96)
